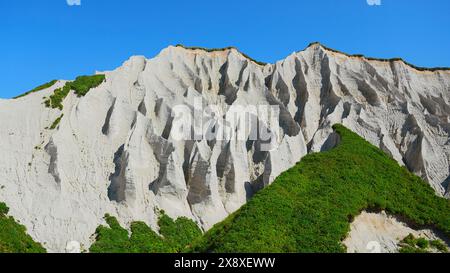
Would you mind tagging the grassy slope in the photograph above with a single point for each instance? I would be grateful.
(308, 208)
(13, 236)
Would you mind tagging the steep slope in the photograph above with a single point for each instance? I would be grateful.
(13, 236)
(70, 160)
(308, 208)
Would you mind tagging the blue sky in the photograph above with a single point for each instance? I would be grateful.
(43, 40)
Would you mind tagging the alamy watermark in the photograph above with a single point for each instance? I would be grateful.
(374, 2)
(73, 2)
(240, 123)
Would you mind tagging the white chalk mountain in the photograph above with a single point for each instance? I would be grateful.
(112, 151)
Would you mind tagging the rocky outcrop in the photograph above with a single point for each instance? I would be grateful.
(372, 232)
(115, 151)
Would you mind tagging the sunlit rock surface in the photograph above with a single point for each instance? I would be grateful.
(113, 151)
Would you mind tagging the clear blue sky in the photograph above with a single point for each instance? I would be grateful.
(48, 39)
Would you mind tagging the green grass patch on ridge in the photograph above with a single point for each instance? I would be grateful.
(39, 88)
(80, 86)
(308, 208)
(13, 236)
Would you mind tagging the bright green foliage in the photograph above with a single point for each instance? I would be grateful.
(80, 86)
(422, 243)
(411, 244)
(176, 235)
(56, 122)
(145, 240)
(112, 239)
(83, 84)
(308, 208)
(39, 88)
(409, 240)
(13, 236)
(56, 99)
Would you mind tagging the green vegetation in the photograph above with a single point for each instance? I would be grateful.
(432, 69)
(308, 208)
(411, 244)
(13, 236)
(80, 86)
(179, 233)
(83, 84)
(222, 49)
(39, 88)
(439, 245)
(56, 122)
(176, 235)
(56, 99)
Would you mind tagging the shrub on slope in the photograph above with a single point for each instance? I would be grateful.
(308, 208)
(175, 236)
(80, 86)
(13, 236)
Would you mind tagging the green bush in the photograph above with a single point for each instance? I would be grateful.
(80, 86)
(144, 240)
(112, 239)
(39, 88)
(13, 236)
(179, 233)
(410, 244)
(307, 208)
(83, 84)
(439, 245)
(56, 99)
(422, 243)
(3, 209)
(176, 235)
(409, 240)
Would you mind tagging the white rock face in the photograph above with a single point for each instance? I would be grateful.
(381, 233)
(114, 150)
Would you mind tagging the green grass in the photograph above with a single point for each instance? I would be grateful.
(83, 84)
(80, 86)
(39, 88)
(175, 236)
(13, 236)
(308, 208)
(56, 122)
